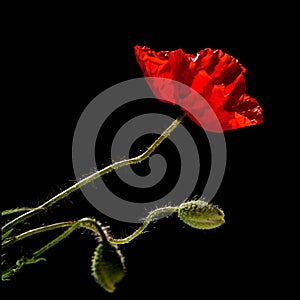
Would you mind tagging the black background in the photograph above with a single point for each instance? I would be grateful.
(60, 59)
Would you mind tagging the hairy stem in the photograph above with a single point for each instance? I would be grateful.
(34, 231)
(89, 224)
(15, 210)
(85, 222)
(150, 217)
(94, 176)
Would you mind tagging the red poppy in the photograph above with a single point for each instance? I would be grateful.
(215, 75)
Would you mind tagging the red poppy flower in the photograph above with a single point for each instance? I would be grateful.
(215, 75)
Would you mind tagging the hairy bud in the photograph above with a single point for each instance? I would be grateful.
(108, 266)
(200, 214)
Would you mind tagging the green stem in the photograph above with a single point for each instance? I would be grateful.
(85, 222)
(34, 231)
(90, 224)
(150, 217)
(14, 210)
(94, 176)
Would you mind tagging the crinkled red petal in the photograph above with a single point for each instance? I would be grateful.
(214, 74)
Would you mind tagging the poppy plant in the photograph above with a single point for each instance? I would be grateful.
(214, 74)
(209, 87)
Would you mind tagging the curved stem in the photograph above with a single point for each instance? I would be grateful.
(85, 222)
(34, 231)
(94, 176)
(150, 217)
(89, 224)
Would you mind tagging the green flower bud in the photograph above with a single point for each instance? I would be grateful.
(108, 266)
(201, 215)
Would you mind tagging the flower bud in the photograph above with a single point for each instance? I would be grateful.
(108, 266)
(201, 215)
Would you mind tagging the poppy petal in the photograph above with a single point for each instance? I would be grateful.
(214, 74)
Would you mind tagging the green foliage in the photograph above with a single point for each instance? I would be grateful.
(9, 272)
